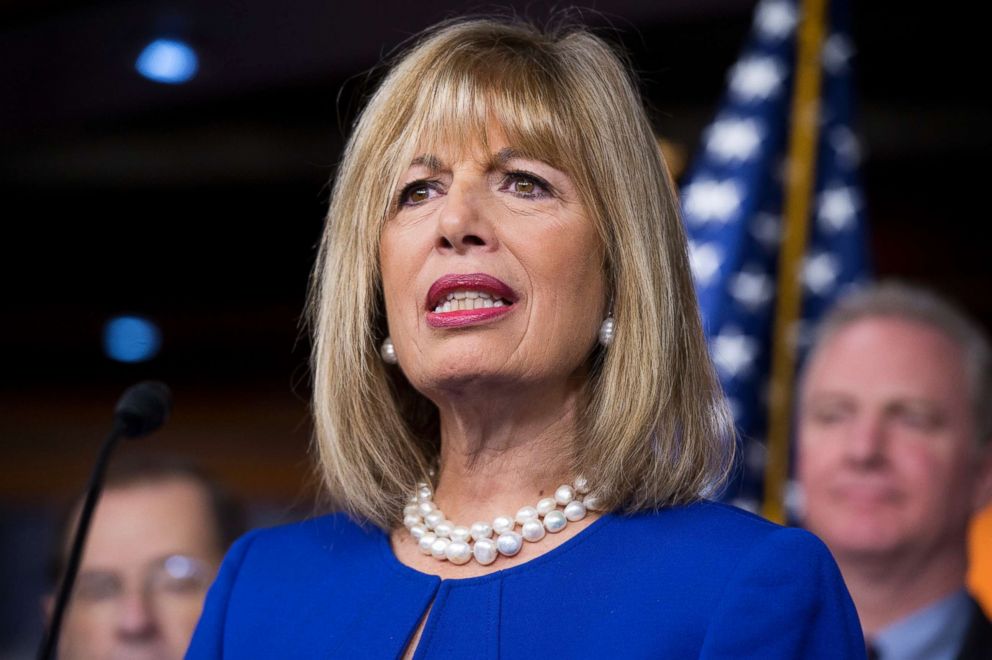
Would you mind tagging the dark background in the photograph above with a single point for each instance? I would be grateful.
(200, 205)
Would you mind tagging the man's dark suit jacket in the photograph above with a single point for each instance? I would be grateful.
(978, 638)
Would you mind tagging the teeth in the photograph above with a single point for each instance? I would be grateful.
(461, 295)
(463, 300)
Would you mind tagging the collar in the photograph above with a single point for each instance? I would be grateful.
(934, 632)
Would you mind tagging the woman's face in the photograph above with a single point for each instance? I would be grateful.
(492, 270)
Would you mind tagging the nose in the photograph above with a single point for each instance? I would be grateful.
(465, 220)
(136, 617)
(866, 445)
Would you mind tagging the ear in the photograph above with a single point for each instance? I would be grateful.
(982, 489)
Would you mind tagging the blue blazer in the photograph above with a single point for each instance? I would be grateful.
(699, 581)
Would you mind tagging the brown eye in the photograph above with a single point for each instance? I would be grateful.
(524, 186)
(418, 194)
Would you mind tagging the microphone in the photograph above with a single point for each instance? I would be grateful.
(141, 409)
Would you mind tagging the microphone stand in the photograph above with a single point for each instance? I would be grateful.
(50, 641)
(141, 409)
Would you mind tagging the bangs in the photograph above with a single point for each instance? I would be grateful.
(463, 93)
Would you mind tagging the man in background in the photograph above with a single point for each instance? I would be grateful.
(157, 538)
(895, 424)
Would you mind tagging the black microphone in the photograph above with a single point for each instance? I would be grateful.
(141, 409)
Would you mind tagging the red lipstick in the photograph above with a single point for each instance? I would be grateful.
(472, 282)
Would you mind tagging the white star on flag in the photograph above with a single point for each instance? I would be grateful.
(837, 208)
(711, 200)
(846, 144)
(704, 260)
(820, 273)
(733, 352)
(756, 78)
(734, 139)
(837, 52)
(775, 19)
(767, 229)
(751, 288)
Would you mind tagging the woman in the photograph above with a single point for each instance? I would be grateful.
(506, 332)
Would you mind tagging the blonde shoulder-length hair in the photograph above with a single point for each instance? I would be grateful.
(655, 430)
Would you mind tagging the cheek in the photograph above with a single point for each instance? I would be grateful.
(401, 256)
(179, 623)
(924, 469)
(85, 628)
(567, 268)
(819, 454)
(569, 305)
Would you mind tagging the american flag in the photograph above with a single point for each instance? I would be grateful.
(732, 202)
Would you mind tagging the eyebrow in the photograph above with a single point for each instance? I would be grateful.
(431, 162)
(506, 154)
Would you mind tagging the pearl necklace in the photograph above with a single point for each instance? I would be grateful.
(444, 540)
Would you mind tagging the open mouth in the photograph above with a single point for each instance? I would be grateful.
(466, 299)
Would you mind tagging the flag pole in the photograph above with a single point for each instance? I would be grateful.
(800, 178)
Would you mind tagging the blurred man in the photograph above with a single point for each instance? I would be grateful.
(158, 535)
(895, 422)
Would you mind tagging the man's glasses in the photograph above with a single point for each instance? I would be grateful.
(174, 576)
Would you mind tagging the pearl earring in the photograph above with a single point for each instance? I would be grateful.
(606, 331)
(388, 351)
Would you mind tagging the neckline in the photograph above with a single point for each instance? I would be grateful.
(389, 557)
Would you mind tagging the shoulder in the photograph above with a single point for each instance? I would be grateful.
(714, 544)
(767, 591)
(330, 533)
(326, 545)
(711, 529)
(710, 551)
(732, 549)
(305, 563)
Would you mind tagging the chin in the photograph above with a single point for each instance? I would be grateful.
(464, 377)
(862, 534)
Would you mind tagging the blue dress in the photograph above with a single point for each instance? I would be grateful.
(699, 581)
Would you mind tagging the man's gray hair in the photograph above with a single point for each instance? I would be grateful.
(894, 299)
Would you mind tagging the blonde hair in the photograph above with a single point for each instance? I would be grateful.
(656, 430)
